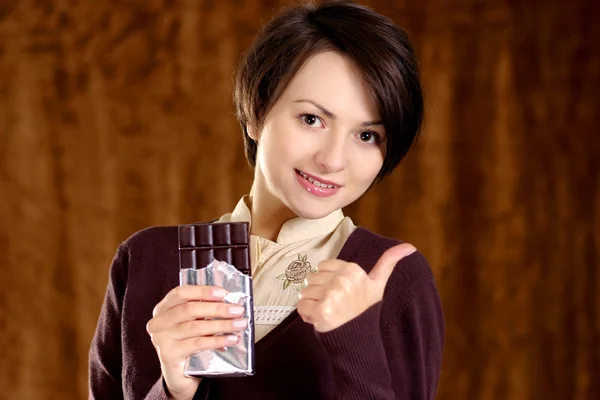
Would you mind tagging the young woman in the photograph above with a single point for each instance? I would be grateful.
(329, 100)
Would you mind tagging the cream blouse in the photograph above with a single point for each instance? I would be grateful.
(279, 268)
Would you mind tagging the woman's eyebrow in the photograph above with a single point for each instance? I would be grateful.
(331, 115)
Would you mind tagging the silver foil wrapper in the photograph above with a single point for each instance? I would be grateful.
(235, 360)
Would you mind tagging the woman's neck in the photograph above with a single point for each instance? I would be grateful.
(268, 214)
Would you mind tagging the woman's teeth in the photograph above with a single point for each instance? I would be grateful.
(315, 182)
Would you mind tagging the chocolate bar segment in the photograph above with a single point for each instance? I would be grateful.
(200, 244)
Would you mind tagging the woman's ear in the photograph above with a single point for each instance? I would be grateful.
(252, 132)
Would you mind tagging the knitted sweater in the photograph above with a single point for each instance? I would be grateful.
(391, 351)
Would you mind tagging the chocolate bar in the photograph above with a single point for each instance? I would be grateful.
(218, 254)
(200, 244)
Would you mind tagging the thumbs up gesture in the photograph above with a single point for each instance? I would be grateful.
(340, 291)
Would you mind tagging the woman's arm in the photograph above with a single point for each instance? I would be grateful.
(105, 358)
(394, 349)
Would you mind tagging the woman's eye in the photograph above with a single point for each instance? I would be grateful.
(311, 120)
(369, 137)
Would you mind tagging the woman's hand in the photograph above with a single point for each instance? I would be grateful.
(340, 291)
(178, 329)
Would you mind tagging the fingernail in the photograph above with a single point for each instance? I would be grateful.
(236, 310)
(232, 339)
(240, 323)
(219, 292)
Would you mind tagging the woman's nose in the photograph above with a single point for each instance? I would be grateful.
(331, 155)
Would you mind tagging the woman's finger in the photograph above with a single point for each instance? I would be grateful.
(319, 278)
(184, 348)
(186, 293)
(316, 292)
(191, 329)
(193, 310)
(306, 309)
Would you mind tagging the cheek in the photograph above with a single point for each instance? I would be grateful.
(277, 149)
(366, 167)
(285, 145)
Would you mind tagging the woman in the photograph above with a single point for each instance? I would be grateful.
(329, 101)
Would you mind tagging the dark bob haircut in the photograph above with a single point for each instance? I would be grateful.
(379, 49)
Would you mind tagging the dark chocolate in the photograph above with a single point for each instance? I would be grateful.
(200, 244)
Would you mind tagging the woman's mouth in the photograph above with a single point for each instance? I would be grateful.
(312, 184)
(316, 182)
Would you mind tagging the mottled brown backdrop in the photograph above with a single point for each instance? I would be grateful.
(116, 115)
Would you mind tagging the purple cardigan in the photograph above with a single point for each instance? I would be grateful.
(391, 351)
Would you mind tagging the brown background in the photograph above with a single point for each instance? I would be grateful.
(116, 115)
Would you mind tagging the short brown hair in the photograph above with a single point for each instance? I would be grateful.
(379, 49)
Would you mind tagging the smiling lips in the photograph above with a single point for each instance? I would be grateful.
(317, 186)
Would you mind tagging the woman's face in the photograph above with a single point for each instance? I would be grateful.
(321, 145)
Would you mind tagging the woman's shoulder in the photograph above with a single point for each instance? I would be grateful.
(411, 290)
(152, 237)
(365, 247)
(156, 236)
(155, 242)
(149, 258)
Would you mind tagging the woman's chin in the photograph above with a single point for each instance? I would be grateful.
(312, 212)
(307, 205)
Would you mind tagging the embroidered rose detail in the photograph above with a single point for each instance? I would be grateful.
(296, 272)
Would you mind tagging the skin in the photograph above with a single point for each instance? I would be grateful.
(325, 124)
(297, 134)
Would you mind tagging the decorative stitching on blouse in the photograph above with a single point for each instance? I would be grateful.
(271, 315)
(296, 272)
